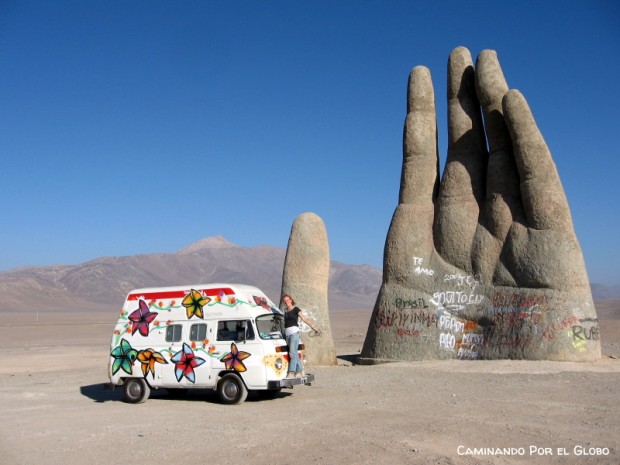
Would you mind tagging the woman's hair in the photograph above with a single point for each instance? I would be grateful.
(286, 295)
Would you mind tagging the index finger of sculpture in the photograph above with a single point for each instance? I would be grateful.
(419, 175)
(543, 197)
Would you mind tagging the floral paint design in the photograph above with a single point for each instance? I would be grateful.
(184, 363)
(222, 298)
(148, 358)
(262, 302)
(141, 318)
(124, 356)
(194, 302)
(233, 359)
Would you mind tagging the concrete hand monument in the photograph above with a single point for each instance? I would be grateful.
(305, 278)
(484, 264)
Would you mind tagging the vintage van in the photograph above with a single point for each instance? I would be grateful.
(226, 337)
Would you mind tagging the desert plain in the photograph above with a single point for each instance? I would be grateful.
(55, 410)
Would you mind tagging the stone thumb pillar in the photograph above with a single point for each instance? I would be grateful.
(305, 278)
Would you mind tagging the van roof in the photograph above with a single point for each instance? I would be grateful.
(214, 289)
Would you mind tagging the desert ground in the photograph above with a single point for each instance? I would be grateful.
(55, 409)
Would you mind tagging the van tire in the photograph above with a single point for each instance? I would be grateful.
(136, 390)
(231, 389)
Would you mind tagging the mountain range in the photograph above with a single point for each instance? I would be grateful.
(103, 283)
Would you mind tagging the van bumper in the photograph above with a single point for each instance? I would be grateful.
(290, 382)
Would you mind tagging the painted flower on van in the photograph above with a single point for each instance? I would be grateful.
(184, 363)
(233, 359)
(141, 318)
(193, 302)
(124, 356)
(225, 299)
(262, 302)
(148, 358)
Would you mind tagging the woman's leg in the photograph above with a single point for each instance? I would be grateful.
(293, 352)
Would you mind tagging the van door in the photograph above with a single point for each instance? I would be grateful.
(240, 350)
(188, 364)
(174, 341)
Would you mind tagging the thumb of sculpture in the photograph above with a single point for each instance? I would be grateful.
(305, 278)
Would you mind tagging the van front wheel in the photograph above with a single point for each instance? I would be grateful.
(137, 390)
(231, 389)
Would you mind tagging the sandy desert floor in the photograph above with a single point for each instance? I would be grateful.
(56, 411)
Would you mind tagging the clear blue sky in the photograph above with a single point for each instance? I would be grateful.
(131, 127)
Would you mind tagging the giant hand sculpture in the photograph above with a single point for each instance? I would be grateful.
(486, 263)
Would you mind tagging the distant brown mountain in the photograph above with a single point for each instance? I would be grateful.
(103, 283)
(602, 292)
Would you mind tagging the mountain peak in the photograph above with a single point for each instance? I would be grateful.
(212, 242)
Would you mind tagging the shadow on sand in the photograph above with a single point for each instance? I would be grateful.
(349, 358)
(101, 393)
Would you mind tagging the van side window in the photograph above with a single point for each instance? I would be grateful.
(235, 330)
(173, 333)
(198, 332)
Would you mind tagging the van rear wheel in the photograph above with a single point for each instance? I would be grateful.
(137, 390)
(231, 389)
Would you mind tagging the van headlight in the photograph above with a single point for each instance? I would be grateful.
(278, 364)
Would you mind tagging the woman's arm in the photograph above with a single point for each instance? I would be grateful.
(307, 321)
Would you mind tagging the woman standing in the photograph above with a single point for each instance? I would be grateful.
(291, 331)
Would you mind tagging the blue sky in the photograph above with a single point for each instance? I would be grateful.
(130, 127)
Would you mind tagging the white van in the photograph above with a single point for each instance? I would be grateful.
(227, 337)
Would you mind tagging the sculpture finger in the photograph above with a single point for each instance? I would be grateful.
(305, 277)
(420, 171)
(544, 201)
(411, 230)
(503, 199)
(502, 174)
(463, 183)
(464, 177)
(410, 237)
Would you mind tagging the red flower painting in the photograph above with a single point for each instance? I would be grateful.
(141, 318)
(184, 363)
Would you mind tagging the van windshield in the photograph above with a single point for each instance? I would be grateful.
(270, 326)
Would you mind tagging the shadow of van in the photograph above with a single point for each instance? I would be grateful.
(101, 393)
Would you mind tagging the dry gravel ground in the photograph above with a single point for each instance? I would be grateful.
(55, 410)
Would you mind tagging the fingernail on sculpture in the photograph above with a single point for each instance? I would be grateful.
(305, 278)
(484, 263)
